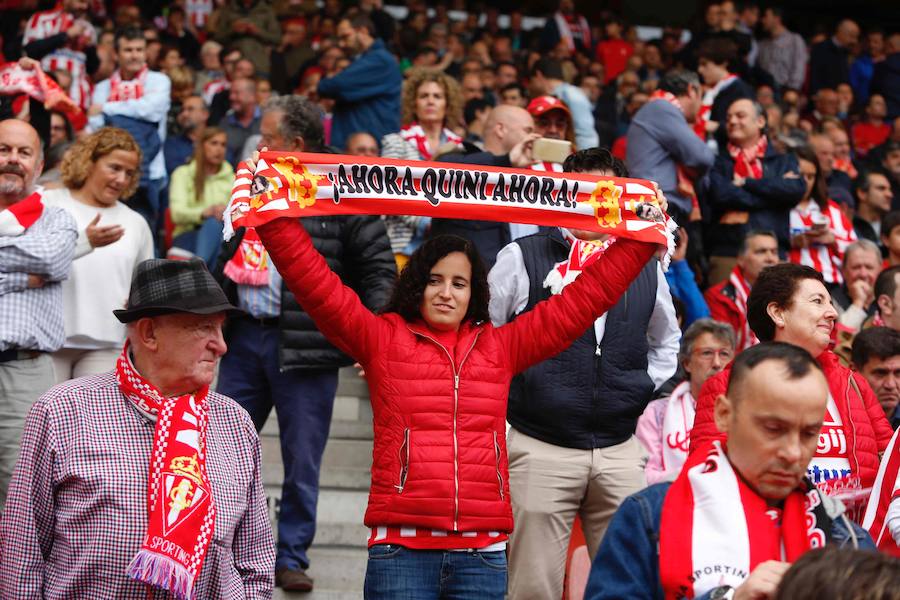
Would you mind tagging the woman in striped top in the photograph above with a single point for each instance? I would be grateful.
(820, 231)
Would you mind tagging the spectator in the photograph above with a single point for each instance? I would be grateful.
(251, 27)
(843, 161)
(716, 63)
(826, 104)
(661, 146)
(216, 92)
(566, 30)
(547, 79)
(37, 243)
(727, 300)
(876, 356)
(829, 61)
(683, 285)
(242, 121)
(514, 95)
(665, 426)
(561, 449)
(820, 232)
(63, 38)
(152, 419)
(191, 120)
(288, 60)
(854, 300)
(649, 553)
(890, 162)
(199, 192)
(886, 77)
(789, 303)
(137, 100)
(873, 201)
(552, 120)
(841, 574)
(367, 93)
(613, 52)
(362, 144)
(750, 187)
(98, 172)
(890, 238)
(872, 131)
(838, 183)
(472, 87)
(60, 129)
(475, 114)
(210, 66)
(277, 357)
(178, 34)
(863, 66)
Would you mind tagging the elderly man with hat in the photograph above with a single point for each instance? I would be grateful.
(141, 482)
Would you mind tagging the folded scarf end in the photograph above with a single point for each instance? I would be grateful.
(159, 571)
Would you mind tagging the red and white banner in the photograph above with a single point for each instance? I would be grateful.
(305, 185)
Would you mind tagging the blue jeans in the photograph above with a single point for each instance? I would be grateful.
(398, 573)
(303, 401)
(204, 241)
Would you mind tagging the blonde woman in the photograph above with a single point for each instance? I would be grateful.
(98, 171)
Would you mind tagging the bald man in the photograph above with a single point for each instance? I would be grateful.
(508, 140)
(828, 64)
(37, 244)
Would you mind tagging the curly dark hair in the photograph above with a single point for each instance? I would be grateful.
(406, 299)
(775, 284)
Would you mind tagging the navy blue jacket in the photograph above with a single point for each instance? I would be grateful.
(769, 201)
(367, 95)
(578, 399)
(627, 564)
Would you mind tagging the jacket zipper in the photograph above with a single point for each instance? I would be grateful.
(497, 457)
(455, 409)
(850, 386)
(404, 464)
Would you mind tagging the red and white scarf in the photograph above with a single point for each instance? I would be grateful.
(180, 508)
(846, 165)
(35, 84)
(582, 253)
(748, 161)
(678, 420)
(415, 134)
(121, 90)
(573, 27)
(21, 215)
(706, 104)
(746, 337)
(885, 491)
(250, 264)
(714, 529)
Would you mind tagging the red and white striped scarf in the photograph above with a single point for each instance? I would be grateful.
(121, 90)
(16, 219)
(546, 165)
(582, 253)
(714, 529)
(748, 161)
(846, 165)
(180, 508)
(415, 134)
(35, 84)
(214, 87)
(885, 491)
(198, 12)
(746, 337)
(827, 260)
(573, 27)
(706, 104)
(678, 421)
(250, 264)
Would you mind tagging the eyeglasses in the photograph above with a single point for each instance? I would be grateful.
(708, 354)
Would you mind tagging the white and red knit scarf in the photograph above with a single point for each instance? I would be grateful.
(16, 219)
(415, 134)
(250, 263)
(885, 492)
(678, 420)
(582, 253)
(706, 104)
(35, 84)
(748, 161)
(746, 337)
(714, 529)
(180, 509)
(121, 90)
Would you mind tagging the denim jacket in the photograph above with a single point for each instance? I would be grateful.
(627, 565)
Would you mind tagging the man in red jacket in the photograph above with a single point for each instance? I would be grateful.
(727, 301)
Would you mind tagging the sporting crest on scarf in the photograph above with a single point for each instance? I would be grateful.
(301, 184)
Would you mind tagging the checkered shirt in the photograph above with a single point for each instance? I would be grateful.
(32, 318)
(77, 507)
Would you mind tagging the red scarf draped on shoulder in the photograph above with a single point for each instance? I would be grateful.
(16, 219)
(748, 161)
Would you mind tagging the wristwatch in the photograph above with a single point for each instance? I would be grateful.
(725, 592)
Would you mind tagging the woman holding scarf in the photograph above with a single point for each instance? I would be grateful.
(438, 372)
(432, 104)
(790, 303)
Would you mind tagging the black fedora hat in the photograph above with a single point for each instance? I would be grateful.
(161, 287)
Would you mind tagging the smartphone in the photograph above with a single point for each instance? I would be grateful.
(546, 149)
(820, 221)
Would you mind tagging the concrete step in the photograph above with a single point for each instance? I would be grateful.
(352, 418)
(344, 460)
(339, 516)
(338, 573)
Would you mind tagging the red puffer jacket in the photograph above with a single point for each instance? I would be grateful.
(869, 430)
(439, 459)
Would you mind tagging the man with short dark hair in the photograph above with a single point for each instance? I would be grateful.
(514, 94)
(661, 144)
(191, 120)
(738, 513)
(277, 357)
(873, 195)
(727, 300)
(876, 356)
(717, 58)
(829, 63)
(141, 482)
(37, 244)
(367, 92)
(547, 80)
(571, 445)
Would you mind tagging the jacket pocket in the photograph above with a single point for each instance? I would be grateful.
(404, 462)
(497, 459)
